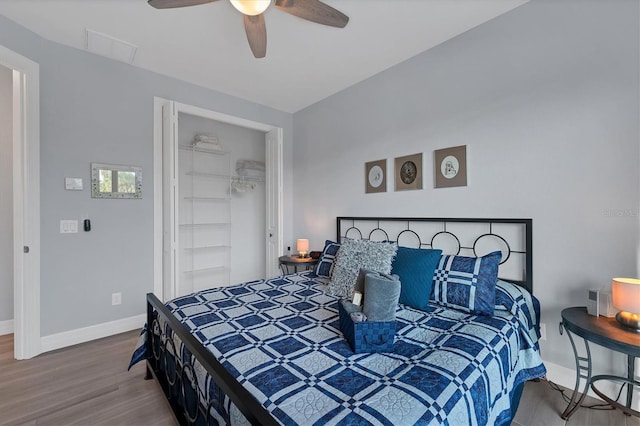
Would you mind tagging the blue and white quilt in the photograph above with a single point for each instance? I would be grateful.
(280, 338)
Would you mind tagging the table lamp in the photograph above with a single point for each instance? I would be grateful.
(303, 247)
(626, 297)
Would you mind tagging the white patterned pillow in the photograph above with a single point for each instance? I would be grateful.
(354, 255)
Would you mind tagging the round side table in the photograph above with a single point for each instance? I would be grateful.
(294, 261)
(608, 333)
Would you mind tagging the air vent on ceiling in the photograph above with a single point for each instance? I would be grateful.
(105, 45)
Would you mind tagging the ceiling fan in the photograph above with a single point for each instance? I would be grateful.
(254, 25)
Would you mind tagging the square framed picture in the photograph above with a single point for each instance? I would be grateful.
(375, 176)
(450, 167)
(408, 172)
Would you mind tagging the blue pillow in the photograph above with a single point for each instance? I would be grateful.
(324, 268)
(467, 283)
(415, 268)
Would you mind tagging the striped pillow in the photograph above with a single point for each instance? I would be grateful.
(467, 283)
(324, 268)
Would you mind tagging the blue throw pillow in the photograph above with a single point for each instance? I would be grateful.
(327, 260)
(467, 283)
(415, 268)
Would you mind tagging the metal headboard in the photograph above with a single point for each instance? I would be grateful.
(463, 236)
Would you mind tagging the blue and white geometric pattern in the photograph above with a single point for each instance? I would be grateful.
(283, 344)
(467, 283)
(324, 268)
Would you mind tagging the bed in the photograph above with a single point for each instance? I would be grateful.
(271, 351)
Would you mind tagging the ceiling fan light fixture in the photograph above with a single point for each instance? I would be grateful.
(251, 7)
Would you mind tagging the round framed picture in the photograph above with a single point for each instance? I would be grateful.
(375, 176)
(450, 166)
(408, 172)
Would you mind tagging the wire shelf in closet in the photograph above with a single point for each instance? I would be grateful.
(212, 247)
(205, 270)
(205, 150)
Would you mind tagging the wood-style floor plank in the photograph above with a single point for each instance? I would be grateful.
(85, 384)
(542, 406)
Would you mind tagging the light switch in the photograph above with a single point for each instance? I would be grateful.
(68, 226)
(73, 184)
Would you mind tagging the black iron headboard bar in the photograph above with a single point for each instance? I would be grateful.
(527, 282)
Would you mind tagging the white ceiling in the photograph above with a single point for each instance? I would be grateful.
(305, 62)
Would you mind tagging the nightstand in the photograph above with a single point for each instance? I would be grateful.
(605, 332)
(295, 262)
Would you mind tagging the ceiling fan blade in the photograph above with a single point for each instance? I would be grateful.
(315, 11)
(256, 31)
(168, 4)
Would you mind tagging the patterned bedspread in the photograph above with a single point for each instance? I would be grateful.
(280, 338)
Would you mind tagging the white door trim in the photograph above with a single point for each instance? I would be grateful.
(274, 196)
(158, 287)
(26, 202)
(157, 196)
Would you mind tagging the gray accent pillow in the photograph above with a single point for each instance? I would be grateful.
(381, 295)
(354, 255)
(359, 287)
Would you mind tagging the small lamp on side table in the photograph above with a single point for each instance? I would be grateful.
(303, 248)
(626, 297)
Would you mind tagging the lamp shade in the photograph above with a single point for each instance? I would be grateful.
(302, 245)
(626, 294)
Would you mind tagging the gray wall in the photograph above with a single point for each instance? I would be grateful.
(97, 110)
(6, 194)
(546, 99)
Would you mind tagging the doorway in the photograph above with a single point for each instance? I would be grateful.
(26, 201)
(170, 217)
(6, 201)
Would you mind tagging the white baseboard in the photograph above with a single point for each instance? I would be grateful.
(6, 327)
(86, 334)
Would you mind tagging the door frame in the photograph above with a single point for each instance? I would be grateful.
(275, 176)
(26, 202)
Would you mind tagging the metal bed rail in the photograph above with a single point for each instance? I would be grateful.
(158, 357)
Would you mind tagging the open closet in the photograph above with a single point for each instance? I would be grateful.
(222, 203)
(219, 200)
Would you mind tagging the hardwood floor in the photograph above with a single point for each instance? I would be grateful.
(89, 384)
(541, 405)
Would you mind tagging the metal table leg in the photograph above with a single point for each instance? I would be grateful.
(582, 372)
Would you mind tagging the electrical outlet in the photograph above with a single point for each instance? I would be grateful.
(543, 331)
(116, 298)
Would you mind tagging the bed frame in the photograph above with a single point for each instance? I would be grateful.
(512, 236)
(469, 237)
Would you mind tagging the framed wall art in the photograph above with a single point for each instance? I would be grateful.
(375, 176)
(450, 167)
(408, 172)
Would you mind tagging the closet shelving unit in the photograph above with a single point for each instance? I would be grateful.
(205, 218)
